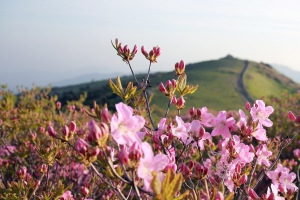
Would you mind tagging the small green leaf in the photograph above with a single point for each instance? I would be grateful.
(119, 84)
(181, 82)
(115, 89)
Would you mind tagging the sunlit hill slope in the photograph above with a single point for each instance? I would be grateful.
(226, 83)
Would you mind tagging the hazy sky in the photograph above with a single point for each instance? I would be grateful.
(72, 37)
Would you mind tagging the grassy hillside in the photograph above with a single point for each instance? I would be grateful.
(217, 79)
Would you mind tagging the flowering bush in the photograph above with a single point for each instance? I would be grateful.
(51, 151)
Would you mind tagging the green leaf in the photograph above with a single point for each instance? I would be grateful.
(119, 84)
(181, 82)
(115, 89)
(156, 184)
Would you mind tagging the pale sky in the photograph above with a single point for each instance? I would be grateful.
(72, 37)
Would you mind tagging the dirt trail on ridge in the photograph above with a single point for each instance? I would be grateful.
(241, 84)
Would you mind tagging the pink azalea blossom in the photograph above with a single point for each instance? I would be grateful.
(181, 131)
(125, 126)
(150, 163)
(221, 125)
(281, 177)
(206, 117)
(67, 196)
(194, 131)
(263, 155)
(274, 190)
(260, 113)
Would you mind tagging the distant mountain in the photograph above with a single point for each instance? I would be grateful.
(293, 74)
(226, 83)
(91, 77)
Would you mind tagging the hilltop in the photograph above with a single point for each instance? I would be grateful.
(226, 83)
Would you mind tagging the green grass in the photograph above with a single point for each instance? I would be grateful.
(259, 83)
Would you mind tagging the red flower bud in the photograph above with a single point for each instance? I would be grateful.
(291, 116)
(123, 156)
(72, 126)
(44, 169)
(219, 196)
(58, 105)
(144, 52)
(162, 88)
(105, 116)
(21, 173)
(253, 194)
(198, 112)
(192, 111)
(248, 106)
(174, 100)
(135, 152)
(134, 50)
(84, 191)
(243, 179)
(51, 131)
(65, 131)
(180, 103)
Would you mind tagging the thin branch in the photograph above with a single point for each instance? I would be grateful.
(37, 186)
(168, 108)
(135, 186)
(132, 73)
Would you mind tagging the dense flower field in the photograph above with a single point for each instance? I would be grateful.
(54, 151)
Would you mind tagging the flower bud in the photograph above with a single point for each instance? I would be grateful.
(21, 173)
(180, 67)
(253, 194)
(84, 191)
(105, 116)
(123, 156)
(41, 129)
(144, 52)
(125, 49)
(72, 126)
(243, 179)
(135, 152)
(51, 131)
(192, 112)
(65, 131)
(198, 113)
(291, 116)
(58, 105)
(219, 196)
(43, 169)
(33, 136)
(134, 50)
(191, 164)
(180, 103)
(248, 106)
(185, 170)
(95, 131)
(1, 121)
(95, 151)
(162, 88)
(174, 100)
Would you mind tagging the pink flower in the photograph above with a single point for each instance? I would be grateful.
(150, 163)
(125, 126)
(198, 133)
(67, 196)
(205, 117)
(261, 113)
(181, 130)
(263, 155)
(221, 125)
(282, 178)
